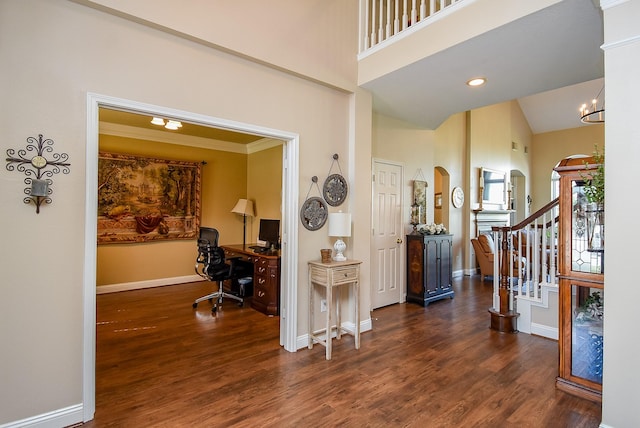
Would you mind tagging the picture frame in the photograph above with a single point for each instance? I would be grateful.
(142, 199)
(420, 198)
(437, 200)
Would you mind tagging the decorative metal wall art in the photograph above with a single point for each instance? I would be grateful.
(314, 212)
(335, 186)
(34, 164)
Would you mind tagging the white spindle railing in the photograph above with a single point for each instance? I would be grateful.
(383, 19)
(532, 245)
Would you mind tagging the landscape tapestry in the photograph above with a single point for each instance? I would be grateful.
(143, 199)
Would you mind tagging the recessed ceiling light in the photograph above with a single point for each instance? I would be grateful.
(169, 124)
(173, 125)
(477, 81)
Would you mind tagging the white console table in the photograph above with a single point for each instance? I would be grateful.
(329, 276)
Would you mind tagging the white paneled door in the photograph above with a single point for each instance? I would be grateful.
(388, 235)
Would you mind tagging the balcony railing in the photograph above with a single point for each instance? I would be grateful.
(384, 19)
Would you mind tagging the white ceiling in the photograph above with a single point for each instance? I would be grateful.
(543, 60)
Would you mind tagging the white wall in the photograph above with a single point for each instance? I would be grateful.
(621, 377)
(60, 51)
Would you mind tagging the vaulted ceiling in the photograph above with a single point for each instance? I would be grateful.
(557, 49)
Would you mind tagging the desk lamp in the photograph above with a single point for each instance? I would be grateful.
(244, 207)
(339, 227)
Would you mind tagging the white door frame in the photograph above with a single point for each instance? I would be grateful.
(289, 267)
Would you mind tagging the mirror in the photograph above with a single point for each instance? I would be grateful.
(493, 185)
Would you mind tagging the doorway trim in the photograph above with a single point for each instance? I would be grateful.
(290, 190)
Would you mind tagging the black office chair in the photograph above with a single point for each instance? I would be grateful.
(211, 265)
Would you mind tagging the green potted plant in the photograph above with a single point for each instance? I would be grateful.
(594, 181)
(594, 193)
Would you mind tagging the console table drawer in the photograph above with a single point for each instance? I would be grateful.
(345, 274)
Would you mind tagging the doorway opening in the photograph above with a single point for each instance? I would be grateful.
(289, 241)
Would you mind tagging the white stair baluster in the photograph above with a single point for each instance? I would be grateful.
(374, 39)
(396, 20)
(380, 22)
(405, 16)
(367, 40)
(414, 12)
(387, 26)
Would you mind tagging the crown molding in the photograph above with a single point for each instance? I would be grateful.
(607, 4)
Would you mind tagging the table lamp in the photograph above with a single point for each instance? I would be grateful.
(244, 207)
(339, 227)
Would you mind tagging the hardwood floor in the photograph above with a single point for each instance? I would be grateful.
(161, 363)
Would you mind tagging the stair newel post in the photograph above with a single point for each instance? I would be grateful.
(504, 273)
(504, 320)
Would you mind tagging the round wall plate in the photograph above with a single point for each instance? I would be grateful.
(457, 197)
(313, 213)
(335, 189)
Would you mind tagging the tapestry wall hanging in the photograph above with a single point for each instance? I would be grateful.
(420, 198)
(143, 199)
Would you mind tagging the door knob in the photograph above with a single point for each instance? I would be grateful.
(399, 241)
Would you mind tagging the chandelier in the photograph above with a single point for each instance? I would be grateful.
(593, 113)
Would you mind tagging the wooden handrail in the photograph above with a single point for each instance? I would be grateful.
(504, 318)
(536, 215)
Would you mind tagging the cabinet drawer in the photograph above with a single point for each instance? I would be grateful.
(262, 294)
(261, 280)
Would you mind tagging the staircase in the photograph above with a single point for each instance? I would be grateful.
(529, 302)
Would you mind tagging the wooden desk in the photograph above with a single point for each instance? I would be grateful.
(266, 276)
(330, 275)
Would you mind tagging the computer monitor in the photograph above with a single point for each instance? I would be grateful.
(269, 232)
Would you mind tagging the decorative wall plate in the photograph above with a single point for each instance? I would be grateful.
(335, 190)
(313, 213)
(457, 197)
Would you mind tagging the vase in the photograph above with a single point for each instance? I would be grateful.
(595, 226)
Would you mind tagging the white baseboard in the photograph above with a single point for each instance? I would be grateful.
(365, 325)
(137, 285)
(58, 418)
(544, 331)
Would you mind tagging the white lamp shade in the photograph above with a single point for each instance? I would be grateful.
(244, 207)
(340, 224)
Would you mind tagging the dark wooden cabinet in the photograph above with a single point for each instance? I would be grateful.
(266, 285)
(266, 276)
(582, 294)
(429, 268)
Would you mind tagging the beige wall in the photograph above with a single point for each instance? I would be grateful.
(550, 148)
(398, 141)
(264, 187)
(62, 50)
(313, 38)
(451, 155)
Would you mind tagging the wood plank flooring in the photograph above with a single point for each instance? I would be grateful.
(161, 363)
